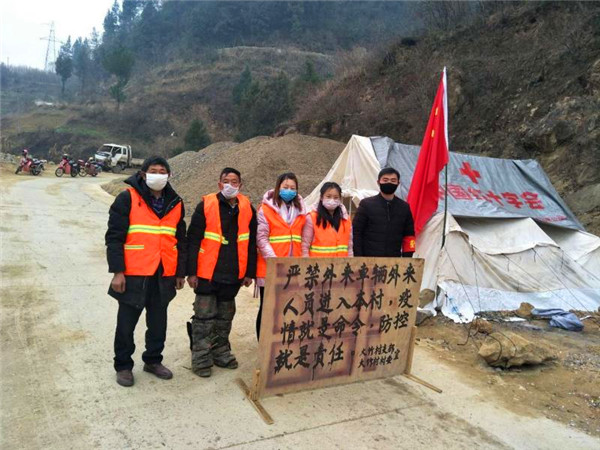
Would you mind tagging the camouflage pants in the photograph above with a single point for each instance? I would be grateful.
(211, 326)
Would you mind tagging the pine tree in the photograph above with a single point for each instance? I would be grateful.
(64, 63)
(119, 62)
(196, 137)
(310, 75)
(82, 62)
(240, 89)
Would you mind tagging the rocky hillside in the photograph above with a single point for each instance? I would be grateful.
(523, 83)
(161, 103)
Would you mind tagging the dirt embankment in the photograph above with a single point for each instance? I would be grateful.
(565, 390)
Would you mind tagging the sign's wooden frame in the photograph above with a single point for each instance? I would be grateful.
(257, 388)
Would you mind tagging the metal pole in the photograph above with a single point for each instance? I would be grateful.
(445, 203)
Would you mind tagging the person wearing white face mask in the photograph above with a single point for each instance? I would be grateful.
(146, 252)
(221, 259)
(328, 229)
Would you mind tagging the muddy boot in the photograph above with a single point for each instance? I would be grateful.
(204, 373)
(125, 378)
(203, 324)
(159, 370)
(221, 349)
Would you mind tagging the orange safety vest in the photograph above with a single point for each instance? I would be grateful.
(281, 236)
(150, 239)
(213, 236)
(327, 242)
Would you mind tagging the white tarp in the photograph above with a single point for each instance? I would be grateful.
(495, 264)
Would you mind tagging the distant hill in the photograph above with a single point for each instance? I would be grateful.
(162, 102)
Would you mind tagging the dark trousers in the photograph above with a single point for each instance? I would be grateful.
(259, 315)
(214, 310)
(156, 329)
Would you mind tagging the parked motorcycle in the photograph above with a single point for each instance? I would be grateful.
(32, 165)
(37, 167)
(82, 171)
(67, 166)
(90, 168)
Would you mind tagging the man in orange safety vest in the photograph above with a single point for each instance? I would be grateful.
(221, 258)
(146, 252)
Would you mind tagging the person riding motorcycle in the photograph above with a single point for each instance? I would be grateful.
(26, 158)
(25, 161)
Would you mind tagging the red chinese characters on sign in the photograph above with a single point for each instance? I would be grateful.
(532, 199)
(490, 196)
(512, 199)
(458, 192)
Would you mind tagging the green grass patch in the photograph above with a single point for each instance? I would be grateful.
(81, 131)
(32, 122)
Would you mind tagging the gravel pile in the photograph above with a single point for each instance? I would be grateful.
(260, 160)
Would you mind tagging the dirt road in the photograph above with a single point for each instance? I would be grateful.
(57, 382)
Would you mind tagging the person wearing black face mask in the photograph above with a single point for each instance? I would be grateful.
(383, 224)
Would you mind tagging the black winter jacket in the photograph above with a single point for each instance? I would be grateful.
(118, 224)
(227, 268)
(379, 227)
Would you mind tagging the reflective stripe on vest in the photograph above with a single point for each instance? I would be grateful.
(150, 239)
(281, 237)
(327, 242)
(208, 255)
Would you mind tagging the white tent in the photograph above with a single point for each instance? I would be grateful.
(492, 261)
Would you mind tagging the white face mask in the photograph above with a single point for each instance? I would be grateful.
(229, 191)
(331, 204)
(156, 181)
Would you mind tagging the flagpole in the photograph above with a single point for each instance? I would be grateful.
(445, 204)
(446, 167)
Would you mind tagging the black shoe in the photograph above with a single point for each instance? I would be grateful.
(204, 372)
(125, 378)
(233, 364)
(159, 370)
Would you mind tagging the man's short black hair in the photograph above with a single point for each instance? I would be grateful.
(228, 170)
(155, 161)
(388, 171)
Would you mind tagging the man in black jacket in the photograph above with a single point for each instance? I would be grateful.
(146, 252)
(221, 258)
(383, 224)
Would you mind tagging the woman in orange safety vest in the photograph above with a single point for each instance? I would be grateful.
(328, 229)
(281, 219)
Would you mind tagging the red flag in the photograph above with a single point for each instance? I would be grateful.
(423, 194)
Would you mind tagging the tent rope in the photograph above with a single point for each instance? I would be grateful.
(596, 321)
(535, 279)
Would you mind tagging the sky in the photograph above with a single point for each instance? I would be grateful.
(24, 22)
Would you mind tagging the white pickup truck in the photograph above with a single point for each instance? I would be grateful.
(116, 158)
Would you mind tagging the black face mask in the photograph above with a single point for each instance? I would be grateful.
(388, 188)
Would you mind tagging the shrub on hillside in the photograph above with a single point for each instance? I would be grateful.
(263, 107)
(196, 136)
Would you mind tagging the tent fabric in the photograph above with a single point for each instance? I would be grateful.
(355, 170)
(581, 246)
(476, 272)
(485, 187)
(487, 263)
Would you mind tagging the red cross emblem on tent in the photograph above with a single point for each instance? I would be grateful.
(468, 171)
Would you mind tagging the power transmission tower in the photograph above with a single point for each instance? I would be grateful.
(50, 49)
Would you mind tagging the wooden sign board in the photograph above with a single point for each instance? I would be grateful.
(329, 321)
